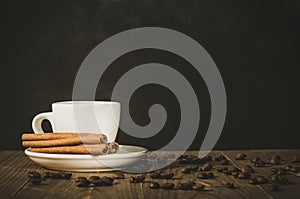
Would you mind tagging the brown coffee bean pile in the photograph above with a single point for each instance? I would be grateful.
(158, 175)
(240, 156)
(36, 178)
(137, 179)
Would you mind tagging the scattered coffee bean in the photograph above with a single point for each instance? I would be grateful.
(82, 182)
(247, 169)
(192, 167)
(198, 187)
(229, 185)
(118, 176)
(167, 185)
(202, 176)
(210, 175)
(186, 186)
(137, 179)
(253, 181)
(155, 175)
(107, 181)
(224, 162)
(296, 159)
(275, 160)
(262, 179)
(235, 174)
(35, 181)
(94, 178)
(254, 159)
(279, 179)
(240, 156)
(80, 178)
(166, 175)
(208, 158)
(259, 163)
(48, 175)
(288, 167)
(56, 176)
(220, 168)
(274, 187)
(220, 157)
(206, 167)
(154, 185)
(197, 161)
(294, 169)
(183, 161)
(233, 169)
(185, 170)
(298, 174)
(66, 176)
(34, 174)
(244, 176)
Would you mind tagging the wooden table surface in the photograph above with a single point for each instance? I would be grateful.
(15, 166)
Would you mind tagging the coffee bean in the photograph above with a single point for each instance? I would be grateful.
(94, 178)
(220, 157)
(296, 159)
(202, 176)
(109, 180)
(244, 176)
(137, 179)
(210, 175)
(254, 159)
(80, 178)
(57, 176)
(247, 169)
(186, 186)
(154, 185)
(240, 156)
(185, 170)
(155, 175)
(235, 174)
(34, 174)
(262, 179)
(298, 174)
(118, 176)
(224, 162)
(275, 160)
(221, 168)
(294, 169)
(288, 167)
(253, 181)
(279, 179)
(48, 175)
(206, 167)
(35, 181)
(166, 175)
(167, 185)
(183, 161)
(66, 176)
(232, 169)
(82, 182)
(274, 187)
(192, 167)
(259, 163)
(279, 171)
(198, 187)
(197, 161)
(208, 158)
(229, 185)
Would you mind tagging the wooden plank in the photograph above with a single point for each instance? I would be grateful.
(217, 186)
(288, 191)
(13, 172)
(14, 182)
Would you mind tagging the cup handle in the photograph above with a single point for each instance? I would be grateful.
(38, 119)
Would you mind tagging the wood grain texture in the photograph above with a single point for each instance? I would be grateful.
(15, 166)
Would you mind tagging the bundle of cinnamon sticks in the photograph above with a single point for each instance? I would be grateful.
(69, 143)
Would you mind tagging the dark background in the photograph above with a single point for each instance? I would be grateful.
(255, 45)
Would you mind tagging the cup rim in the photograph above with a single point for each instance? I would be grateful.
(85, 102)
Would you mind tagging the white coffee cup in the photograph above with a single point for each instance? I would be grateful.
(82, 116)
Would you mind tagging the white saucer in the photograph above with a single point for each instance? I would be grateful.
(126, 156)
